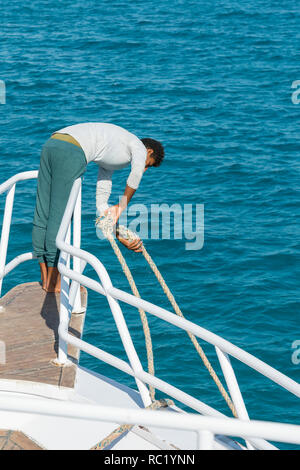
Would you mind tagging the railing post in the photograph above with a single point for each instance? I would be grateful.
(9, 202)
(73, 289)
(129, 347)
(76, 243)
(64, 305)
(125, 336)
(233, 388)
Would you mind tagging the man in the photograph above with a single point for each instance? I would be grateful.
(63, 160)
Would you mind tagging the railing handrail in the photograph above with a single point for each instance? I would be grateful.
(10, 186)
(105, 287)
(248, 359)
(65, 250)
(278, 432)
(25, 175)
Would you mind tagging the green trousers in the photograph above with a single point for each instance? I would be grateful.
(61, 164)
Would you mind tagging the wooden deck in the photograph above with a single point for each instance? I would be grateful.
(15, 440)
(29, 320)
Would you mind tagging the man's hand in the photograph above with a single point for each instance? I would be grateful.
(114, 212)
(134, 245)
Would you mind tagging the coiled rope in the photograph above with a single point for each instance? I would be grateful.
(107, 227)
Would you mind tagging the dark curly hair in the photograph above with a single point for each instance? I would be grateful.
(158, 150)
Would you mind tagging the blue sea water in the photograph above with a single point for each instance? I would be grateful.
(212, 81)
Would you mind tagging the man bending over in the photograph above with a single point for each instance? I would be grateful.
(64, 158)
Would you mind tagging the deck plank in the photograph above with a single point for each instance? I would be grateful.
(29, 321)
(15, 440)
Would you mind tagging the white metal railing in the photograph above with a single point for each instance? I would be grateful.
(105, 287)
(205, 427)
(9, 187)
(69, 294)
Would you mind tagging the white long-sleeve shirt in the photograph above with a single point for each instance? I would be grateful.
(112, 148)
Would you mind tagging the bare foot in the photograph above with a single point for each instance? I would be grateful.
(53, 280)
(43, 268)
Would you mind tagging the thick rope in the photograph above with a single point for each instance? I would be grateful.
(155, 405)
(106, 226)
(192, 337)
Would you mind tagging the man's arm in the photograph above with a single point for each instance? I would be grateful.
(103, 189)
(138, 161)
(127, 196)
(116, 211)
